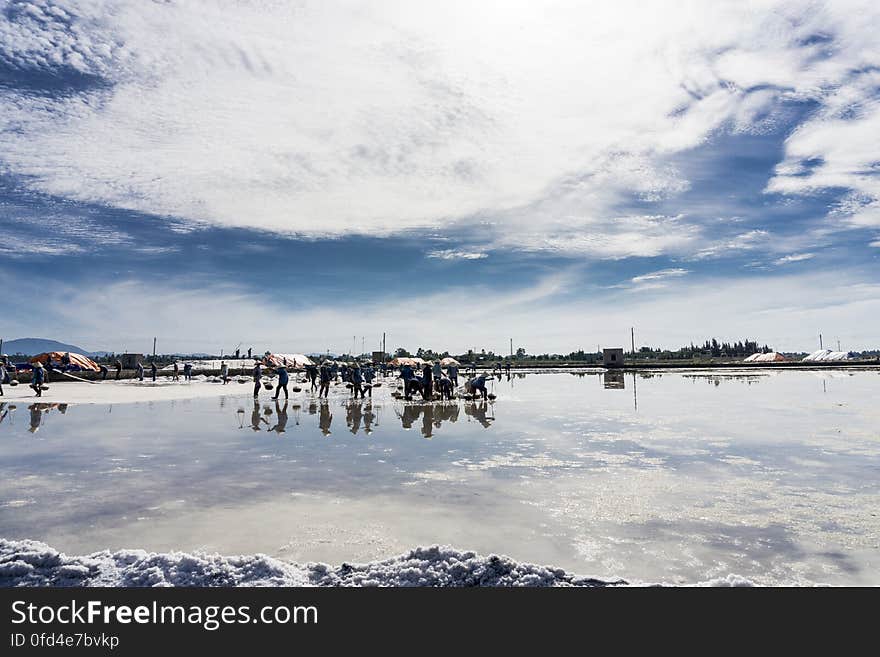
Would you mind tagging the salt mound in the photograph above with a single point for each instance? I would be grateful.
(31, 563)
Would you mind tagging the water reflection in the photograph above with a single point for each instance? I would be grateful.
(37, 412)
(613, 380)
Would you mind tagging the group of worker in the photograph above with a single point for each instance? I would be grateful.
(433, 377)
(359, 379)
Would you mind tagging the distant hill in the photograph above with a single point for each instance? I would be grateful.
(33, 346)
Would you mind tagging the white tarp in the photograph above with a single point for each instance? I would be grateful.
(288, 360)
(824, 355)
(771, 357)
(234, 364)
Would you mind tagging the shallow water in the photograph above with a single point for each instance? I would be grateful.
(678, 477)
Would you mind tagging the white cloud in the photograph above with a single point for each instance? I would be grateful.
(456, 254)
(660, 275)
(332, 118)
(794, 257)
(784, 311)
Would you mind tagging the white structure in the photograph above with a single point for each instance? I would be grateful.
(772, 357)
(825, 355)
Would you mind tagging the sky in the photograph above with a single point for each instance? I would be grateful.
(304, 176)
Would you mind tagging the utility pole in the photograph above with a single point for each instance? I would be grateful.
(154, 348)
(511, 348)
(632, 335)
(820, 342)
(838, 345)
(384, 352)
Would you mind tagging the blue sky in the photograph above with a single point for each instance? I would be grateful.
(291, 176)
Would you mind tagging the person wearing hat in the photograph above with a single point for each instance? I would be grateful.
(427, 382)
(325, 374)
(258, 375)
(357, 379)
(38, 378)
(283, 379)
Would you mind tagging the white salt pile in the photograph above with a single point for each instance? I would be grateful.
(31, 563)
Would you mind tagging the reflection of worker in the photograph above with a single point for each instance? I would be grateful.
(478, 412)
(353, 416)
(325, 418)
(281, 411)
(428, 420)
(255, 417)
(368, 418)
(36, 418)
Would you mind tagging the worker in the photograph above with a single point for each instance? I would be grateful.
(65, 361)
(104, 371)
(258, 375)
(357, 379)
(38, 378)
(478, 383)
(444, 385)
(3, 375)
(224, 372)
(283, 378)
(118, 366)
(407, 374)
(325, 374)
(312, 375)
(153, 370)
(187, 371)
(176, 375)
(140, 371)
(452, 373)
(369, 373)
(437, 371)
(427, 382)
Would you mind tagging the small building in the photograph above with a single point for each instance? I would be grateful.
(612, 357)
(130, 361)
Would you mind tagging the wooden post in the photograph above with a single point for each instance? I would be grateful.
(632, 335)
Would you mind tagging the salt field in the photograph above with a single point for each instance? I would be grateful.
(680, 477)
